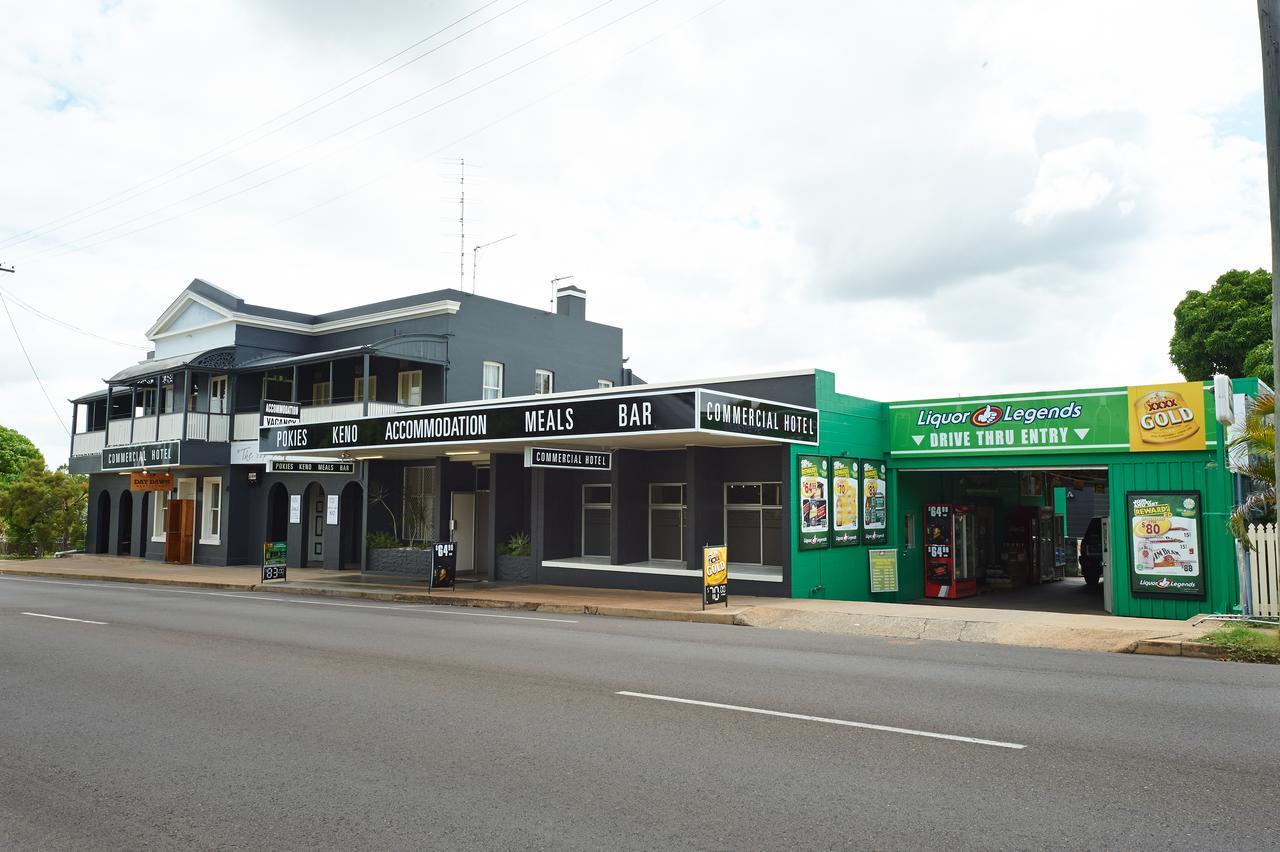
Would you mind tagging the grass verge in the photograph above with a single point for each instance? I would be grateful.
(1245, 643)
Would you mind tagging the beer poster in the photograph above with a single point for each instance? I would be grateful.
(814, 484)
(715, 575)
(1166, 555)
(844, 488)
(1166, 417)
(875, 503)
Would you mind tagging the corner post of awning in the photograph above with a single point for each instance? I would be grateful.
(364, 385)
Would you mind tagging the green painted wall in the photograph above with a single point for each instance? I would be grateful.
(847, 426)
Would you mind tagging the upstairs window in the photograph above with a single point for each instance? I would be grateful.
(492, 382)
(409, 387)
(218, 395)
(544, 381)
(321, 393)
(357, 392)
(601, 384)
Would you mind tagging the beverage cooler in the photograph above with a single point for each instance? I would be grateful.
(949, 546)
(1030, 540)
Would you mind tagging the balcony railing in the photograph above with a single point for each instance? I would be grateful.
(201, 426)
(88, 443)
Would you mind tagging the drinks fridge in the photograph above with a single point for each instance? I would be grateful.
(949, 545)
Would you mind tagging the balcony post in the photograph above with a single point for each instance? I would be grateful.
(293, 385)
(186, 401)
(364, 386)
(75, 412)
(133, 409)
(332, 395)
(233, 389)
(106, 419)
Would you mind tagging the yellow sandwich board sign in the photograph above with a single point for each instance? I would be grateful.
(715, 575)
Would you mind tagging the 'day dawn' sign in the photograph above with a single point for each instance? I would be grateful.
(597, 416)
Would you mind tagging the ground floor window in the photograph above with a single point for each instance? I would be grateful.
(753, 522)
(597, 511)
(211, 513)
(159, 511)
(418, 506)
(666, 521)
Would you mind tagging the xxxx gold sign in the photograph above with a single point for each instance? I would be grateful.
(715, 575)
(1166, 417)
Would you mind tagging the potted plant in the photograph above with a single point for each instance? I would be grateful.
(387, 554)
(515, 559)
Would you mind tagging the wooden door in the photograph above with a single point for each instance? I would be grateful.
(180, 527)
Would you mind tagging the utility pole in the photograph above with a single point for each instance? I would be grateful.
(475, 257)
(1268, 22)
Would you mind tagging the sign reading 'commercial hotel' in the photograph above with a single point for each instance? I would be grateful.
(597, 416)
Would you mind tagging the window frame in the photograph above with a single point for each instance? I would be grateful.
(596, 506)
(758, 508)
(485, 387)
(683, 508)
(604, 384)
(538, 373)
(211, 515)
(325, 398)
(219, 389)
(159, 514)
(403, 399)
(431, 492)
(357, 388)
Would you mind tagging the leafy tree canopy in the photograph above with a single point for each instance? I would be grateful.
(44, 510)
(16, 450)
(1226, 330)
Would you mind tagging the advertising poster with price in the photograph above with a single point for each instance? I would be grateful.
(1166, 555)
(814, 484)
(444, 565)
(274, 560)
(875, 503)
(715, 575)
(844, 487)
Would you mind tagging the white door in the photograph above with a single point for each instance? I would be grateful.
(464, 530)
(1108, 585)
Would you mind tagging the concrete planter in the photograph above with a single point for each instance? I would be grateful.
(515, 569)
(404, 561)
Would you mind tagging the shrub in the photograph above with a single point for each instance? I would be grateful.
(517, 545)
(381, 541)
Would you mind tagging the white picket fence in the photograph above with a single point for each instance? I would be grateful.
(1264, 570)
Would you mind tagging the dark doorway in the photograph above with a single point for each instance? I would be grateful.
(144, 525)
(351, 517)
(278, 513)
(124, 525)
(102, 529)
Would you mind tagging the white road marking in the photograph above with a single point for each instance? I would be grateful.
(419, 608)
(63, 618)
(843, 722)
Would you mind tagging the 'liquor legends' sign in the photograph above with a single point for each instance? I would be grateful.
(587, 417)
(1057, 422)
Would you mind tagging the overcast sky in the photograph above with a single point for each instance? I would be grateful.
(927, 199)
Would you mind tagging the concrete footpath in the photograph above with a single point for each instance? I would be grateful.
(1070, 631)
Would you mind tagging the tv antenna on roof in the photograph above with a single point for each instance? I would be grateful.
(475, 256)
(554, 282)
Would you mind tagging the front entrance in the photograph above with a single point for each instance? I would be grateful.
(102, 529)
(350, 519)
(1007, 538)
(124, 525)
(180, 525)
(463, 513)
(313, 517)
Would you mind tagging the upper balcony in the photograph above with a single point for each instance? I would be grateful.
(211, 399)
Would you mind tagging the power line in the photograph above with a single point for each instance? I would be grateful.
(62, 221)
(69, 326)
(52, 408)
(72, 247)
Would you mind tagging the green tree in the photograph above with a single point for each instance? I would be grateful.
(44, 510)
(16, 450)
(1259, 439)
(1226, 330)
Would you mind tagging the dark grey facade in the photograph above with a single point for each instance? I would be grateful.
(217, 358)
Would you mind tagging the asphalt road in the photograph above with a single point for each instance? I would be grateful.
(200, 720)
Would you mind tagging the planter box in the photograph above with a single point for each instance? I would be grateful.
(515, 569)
(404, 561)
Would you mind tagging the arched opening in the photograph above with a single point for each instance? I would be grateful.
(278, 513)
(351, 521)
(124, 525)
(313, 511)
(102, 528)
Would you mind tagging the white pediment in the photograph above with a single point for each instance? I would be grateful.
(188, 313)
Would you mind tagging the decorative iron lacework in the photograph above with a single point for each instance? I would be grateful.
(223, 360)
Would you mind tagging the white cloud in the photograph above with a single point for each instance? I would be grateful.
(926, 200)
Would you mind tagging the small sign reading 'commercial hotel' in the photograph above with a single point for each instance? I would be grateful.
(567, 458)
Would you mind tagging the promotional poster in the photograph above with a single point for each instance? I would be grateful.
(715, 575)
(814, 484)
(875, 503)
(1165, 557)
(844, 485)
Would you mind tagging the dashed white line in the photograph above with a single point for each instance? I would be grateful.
(842, 722)
(63, 618)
